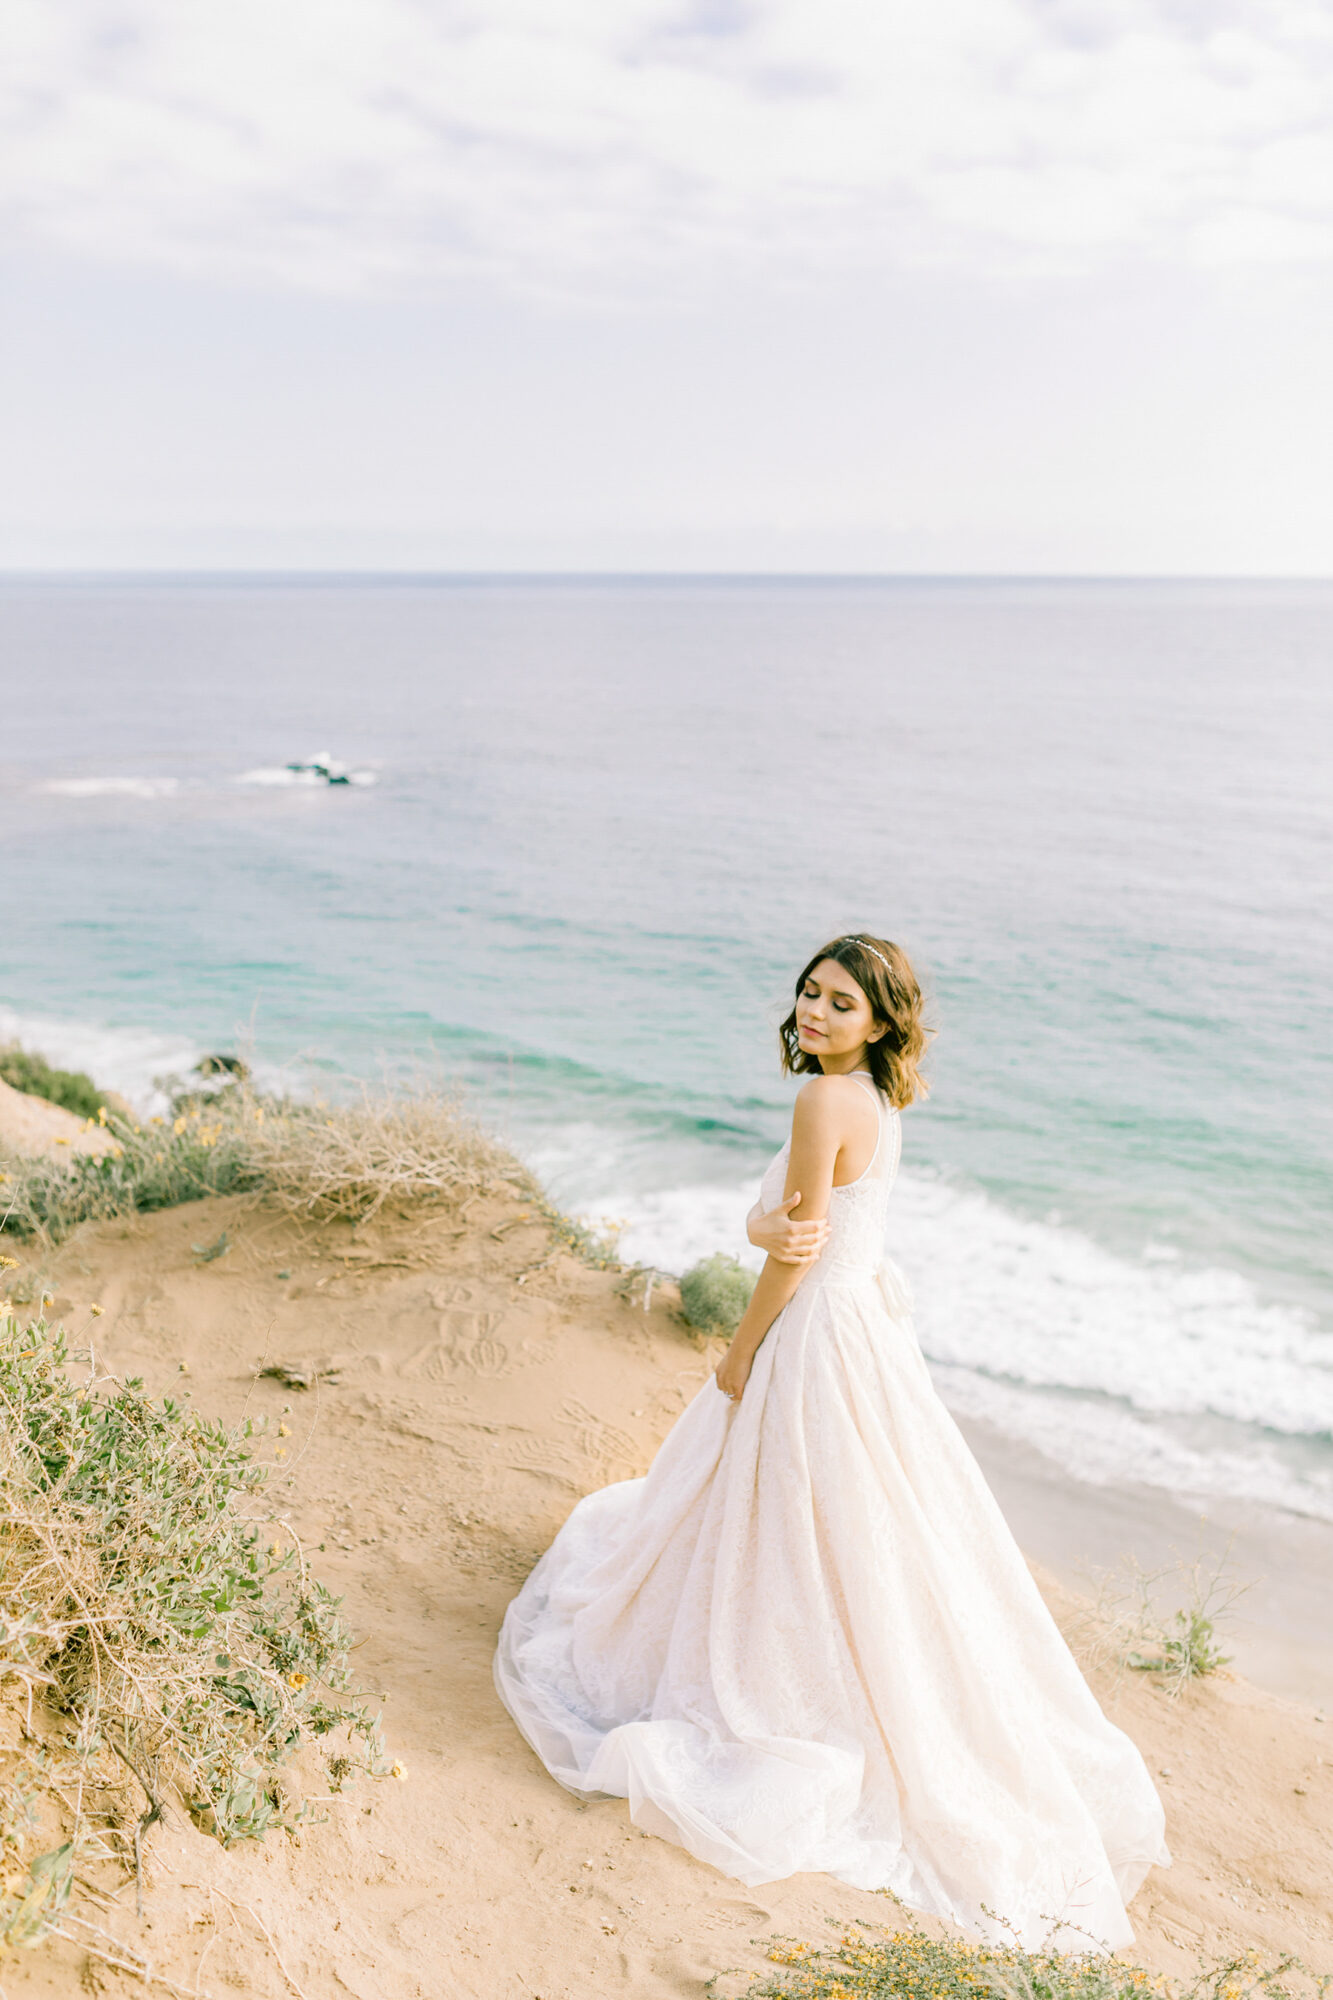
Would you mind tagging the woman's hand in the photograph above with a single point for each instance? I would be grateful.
(786, 1241)
(732, 1373)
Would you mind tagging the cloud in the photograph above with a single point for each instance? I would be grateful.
(608, 146)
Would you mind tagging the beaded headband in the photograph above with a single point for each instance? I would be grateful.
(866, 946)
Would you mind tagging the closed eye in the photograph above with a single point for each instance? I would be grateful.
(841, 1002)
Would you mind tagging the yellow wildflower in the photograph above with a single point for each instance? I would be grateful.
(284, 1430)
(64, 1142)
(179, 1124)
(297, 1680)
(399, 1771)
(281, 1451)
(101, 1115)
(9, 1263)
(97, 1311)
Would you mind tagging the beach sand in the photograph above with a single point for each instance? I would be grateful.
(469, 1412)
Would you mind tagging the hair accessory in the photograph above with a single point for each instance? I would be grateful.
(865, 946)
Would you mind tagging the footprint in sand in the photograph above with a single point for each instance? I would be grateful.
(602, 1442)
(548, 1458)
(486, 1357)
(454, 1294)
(466, 1343)
(434, 1362)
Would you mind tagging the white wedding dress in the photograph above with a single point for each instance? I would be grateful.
(808, 1640)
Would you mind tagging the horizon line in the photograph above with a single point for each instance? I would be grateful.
(314, 573)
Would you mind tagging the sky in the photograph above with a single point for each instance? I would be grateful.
(1035, 286)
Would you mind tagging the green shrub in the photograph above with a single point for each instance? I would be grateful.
(176, 1633)
(69, 1088)
(910, 1965)
(715, 1293)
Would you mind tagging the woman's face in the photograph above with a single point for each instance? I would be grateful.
(833, 1017)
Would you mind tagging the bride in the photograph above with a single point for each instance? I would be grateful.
(807, 1639)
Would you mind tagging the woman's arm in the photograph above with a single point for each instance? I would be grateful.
(819, 1127)
(778, 1234)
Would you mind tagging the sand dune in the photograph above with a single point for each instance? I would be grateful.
(481, 1387)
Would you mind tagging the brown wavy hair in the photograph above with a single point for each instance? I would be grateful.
(895, 999)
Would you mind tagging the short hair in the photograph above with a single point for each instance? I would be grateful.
(884, 974)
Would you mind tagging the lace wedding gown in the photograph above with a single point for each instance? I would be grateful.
(807, 1639)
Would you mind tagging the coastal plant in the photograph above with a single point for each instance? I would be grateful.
(1184, 1649)
(1177, 1646)
(715, 1292)
(160, 1632)
(909, 1964)
(35, 1077)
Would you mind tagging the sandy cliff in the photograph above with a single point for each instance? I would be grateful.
(473, 1387)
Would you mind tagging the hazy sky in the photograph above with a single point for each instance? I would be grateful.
(1039, 285)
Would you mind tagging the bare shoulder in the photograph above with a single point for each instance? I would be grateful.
(829, 1103)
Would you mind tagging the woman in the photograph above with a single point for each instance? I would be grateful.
(807, 1639)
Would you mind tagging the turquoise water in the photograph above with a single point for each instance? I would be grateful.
(608, 824)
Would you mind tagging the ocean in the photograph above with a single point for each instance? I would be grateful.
(600, 826)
